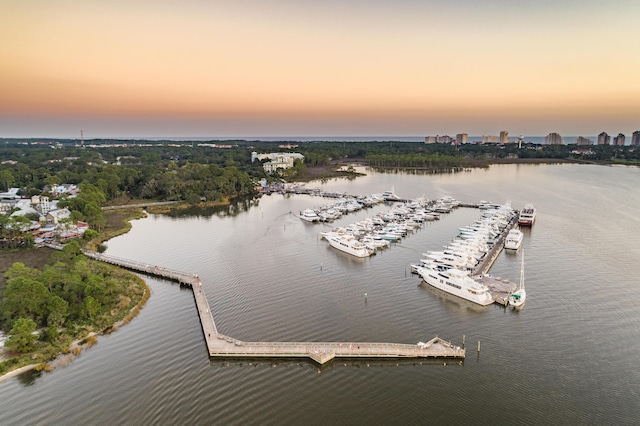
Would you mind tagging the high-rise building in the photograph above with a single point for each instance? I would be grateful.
(619, 140)
(430, 139)
(583, 141)
(504, 136)
(604, 139)
(635, 138)
(444, 139)
(553, 139)
(462, 138)
(489, 139)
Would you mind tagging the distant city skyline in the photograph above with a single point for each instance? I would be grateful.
(273, 68)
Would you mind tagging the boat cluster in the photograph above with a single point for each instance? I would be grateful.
(451, 268)
(363, 238)
(336, 209)
(472, 243)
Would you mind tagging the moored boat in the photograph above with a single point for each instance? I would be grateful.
(349, 244)
(518, 297)
(309, 215)
(513, 241)
(458, 283)
(527, 215)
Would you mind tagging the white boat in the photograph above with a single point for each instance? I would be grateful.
(513, 241)
(389, 195)
(349, 244)
(458, 283)
(375, 242)
(527, 215)
(309, 215)
(518, 297)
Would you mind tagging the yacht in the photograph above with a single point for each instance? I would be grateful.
(389, 195)
(349, 244)
(513, 241)
(527, 215)
(309, 215)
(375, 242)
(458, 283)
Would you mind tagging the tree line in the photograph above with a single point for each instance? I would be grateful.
(71, 294)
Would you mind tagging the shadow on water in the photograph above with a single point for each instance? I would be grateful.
(336, 363)
(453, 302)
(28, 378)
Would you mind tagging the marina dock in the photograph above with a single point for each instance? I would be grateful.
(219, 345)
(498, 287)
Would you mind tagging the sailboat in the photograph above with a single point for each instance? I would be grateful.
(518, 297)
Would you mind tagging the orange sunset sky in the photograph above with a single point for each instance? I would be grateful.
(312, 68)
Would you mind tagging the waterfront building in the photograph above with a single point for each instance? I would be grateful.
(583, 141)
(462, 138)
(280, 162)
(273, 156)
(553, 139)
(489, 139)
(604, 139)
(635, 138)
(431, 139)
(504, 136)
(619, 140)
(438, 139)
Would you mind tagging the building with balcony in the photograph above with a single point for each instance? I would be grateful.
(604, 139)
(583, 141)
(619, 140)
(462, 138)
(553, 139)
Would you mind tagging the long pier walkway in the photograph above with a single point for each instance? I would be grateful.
(220, 345)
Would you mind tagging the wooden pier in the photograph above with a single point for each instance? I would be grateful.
(487, 261)
(220, 345)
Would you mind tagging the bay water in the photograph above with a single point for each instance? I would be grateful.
(569, 356)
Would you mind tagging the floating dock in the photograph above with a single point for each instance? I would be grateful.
(220, 345)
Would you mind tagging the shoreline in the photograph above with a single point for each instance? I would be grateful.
(331, 170)
(75, 348)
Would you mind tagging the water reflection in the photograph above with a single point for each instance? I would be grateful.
(452, 302)
(419, 172)
(336, 363)
(234, 208)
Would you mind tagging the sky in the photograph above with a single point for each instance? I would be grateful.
(245, 68)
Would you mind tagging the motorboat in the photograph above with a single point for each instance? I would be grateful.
(309, 215)
(458, 283)
(350, 245)
(513, 241)
(389, 195)
(527, 215)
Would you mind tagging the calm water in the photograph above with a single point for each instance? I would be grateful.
(569, 356)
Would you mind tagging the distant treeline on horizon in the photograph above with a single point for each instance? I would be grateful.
(290, 139)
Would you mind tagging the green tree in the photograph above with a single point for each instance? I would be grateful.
(58, 309)
(6, 179)
(21, 337)
(24, 298)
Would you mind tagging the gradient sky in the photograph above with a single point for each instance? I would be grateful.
(310, 68)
